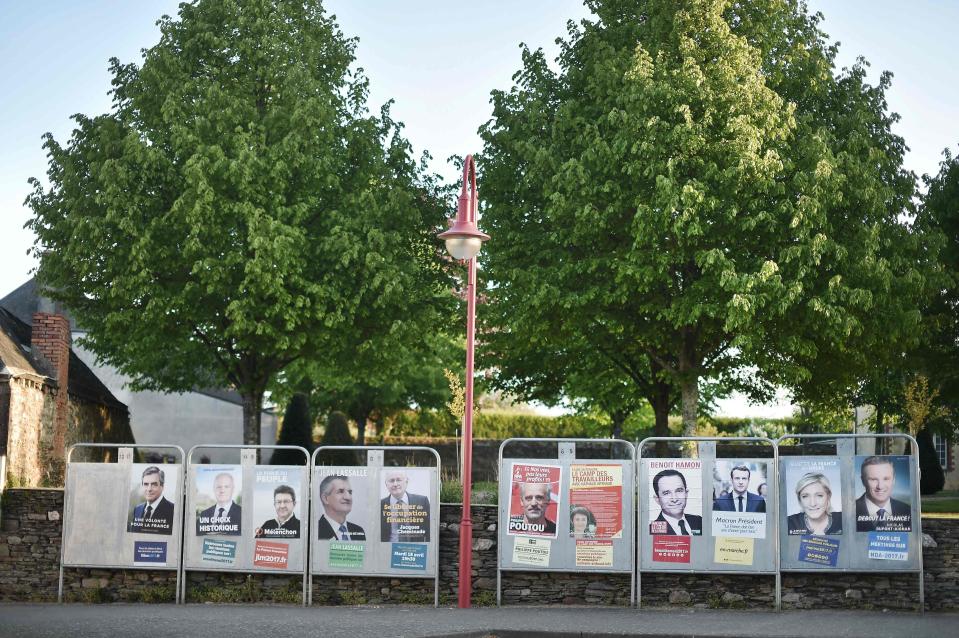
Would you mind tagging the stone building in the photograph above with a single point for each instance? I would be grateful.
(203, 416)
(49, 399)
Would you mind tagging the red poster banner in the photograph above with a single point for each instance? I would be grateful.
(534, 500)
(271, 555)
(671, 549)
(596, 501)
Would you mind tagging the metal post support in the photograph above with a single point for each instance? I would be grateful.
(566, 450)
(67, 515)
(714, 439)
(305, 524)
(434, 533)
(917, 498)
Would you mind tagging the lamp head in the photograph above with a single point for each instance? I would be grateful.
(463, 239)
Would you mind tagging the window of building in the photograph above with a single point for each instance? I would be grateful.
(942, 450)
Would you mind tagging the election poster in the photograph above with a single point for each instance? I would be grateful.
(154, 490)
(219, 496)
(341, 509)
(676, 498)
(594, 553)
(731, 550)
(276, 504)
(813, 497)
(596, 501)
(884, 497)
(534, 500)
(532, 551)
(739, 498)
(404, 505)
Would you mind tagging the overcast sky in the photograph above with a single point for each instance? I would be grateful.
(438, 60)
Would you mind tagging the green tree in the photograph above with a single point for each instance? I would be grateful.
(239, 208)
(382, 375)
(681, 193)
(297, 429)
(938, 354)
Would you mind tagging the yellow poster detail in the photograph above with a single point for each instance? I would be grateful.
(594, 553)
(734, 550)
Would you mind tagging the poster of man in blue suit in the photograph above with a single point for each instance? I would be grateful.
(738, 485)
(151, 499)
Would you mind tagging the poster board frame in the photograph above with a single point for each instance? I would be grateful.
(374, 463)
(565, 458)
(847, 458)
(305, 524)
(706, 446)
(178, 515)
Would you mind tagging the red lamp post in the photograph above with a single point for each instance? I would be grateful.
(464, 241)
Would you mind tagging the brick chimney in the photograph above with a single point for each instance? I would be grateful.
(50, 342)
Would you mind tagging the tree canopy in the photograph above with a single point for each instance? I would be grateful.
(938, 354)
(239, 208)
(696, 189)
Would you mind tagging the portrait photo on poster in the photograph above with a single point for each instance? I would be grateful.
(740, 485)
(675, 504)
(883, 494)
(405, 504)
(153, 494)
(813, 496)
(218, 500)
(276, 502)
(342, 500)
(595, 501)
(534, 500)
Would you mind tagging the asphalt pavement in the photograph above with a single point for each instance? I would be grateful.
(235, 621)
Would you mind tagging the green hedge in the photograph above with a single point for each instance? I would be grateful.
(499, 425)
(504, 425)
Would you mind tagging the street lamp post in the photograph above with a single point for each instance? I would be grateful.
(464, 241)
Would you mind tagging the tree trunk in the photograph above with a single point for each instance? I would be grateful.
(618, 417)
(690, 398)
(252, 408)
(660, 403)
(880, 427)
(361, 417)
(689, 363)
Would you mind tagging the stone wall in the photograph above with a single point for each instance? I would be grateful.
(30, 430)
(30, 549)
(97, 423)
(30, 544)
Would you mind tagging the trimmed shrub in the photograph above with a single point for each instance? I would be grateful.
(297, 429)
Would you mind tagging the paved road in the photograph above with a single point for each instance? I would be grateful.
(235, 621)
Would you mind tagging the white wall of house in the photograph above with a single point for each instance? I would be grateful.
(185, 419)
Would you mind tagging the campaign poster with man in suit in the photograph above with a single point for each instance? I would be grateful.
(404, 505)
(153, 492)
(738, 507)
(883, 502)
(219, 496)
(276, 502)
(675, 507)
(676, 501)
(342, 504)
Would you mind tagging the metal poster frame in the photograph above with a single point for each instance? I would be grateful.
(771, 515)
(377, 462)
(565, 457)
(305, 527)
(68, 514)
(916, 504)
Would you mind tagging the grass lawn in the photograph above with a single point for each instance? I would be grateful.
(945, 502)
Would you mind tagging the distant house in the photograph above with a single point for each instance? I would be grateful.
(946, 450)
(49, 399)
(204, 416)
